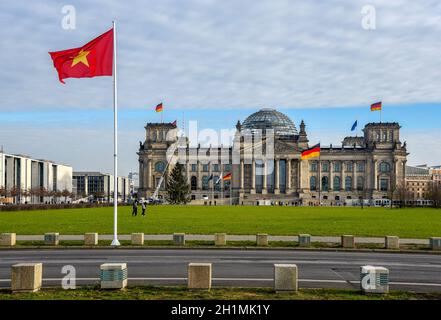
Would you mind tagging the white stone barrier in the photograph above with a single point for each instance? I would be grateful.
(435, 243)
(262, 239)
(348, 241)
(199, 276)
(8, 239)
(304, 240)
(137, 239)
(285, 278)
(52, 238)
(392, 242)
(91, 239)
(26, 277)
(179, 239)
(113, 275)
(374, 279)
(220, 239)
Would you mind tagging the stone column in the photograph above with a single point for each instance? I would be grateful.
(253, 177)
(376, 175)
(141, 174)
(354, 175)
(265, 177)
(199, 177)
(288, 176)
(149, 174)
(187, 163)
(277, 179)
(331, 176)
(242, 175)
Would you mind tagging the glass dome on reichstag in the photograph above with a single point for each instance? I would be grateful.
(270, 119)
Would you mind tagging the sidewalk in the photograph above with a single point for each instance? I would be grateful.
(208, 237)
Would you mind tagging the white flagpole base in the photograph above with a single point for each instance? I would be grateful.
(115, 243)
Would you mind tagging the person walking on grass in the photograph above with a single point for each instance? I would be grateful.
(143, 207)
(135, 208)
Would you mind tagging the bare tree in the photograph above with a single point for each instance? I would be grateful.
(434, 194)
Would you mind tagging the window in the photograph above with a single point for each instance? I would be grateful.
(360, 183)
(337, 184)
(313, 167)
(215, 167)
(360, 167)
(194, 183)
(313, 183)
(227, 167)
(160, 166)
(337, 167)
(205, 183)
(384, 184)
(325, 184)
(349, 166)
(325, 167)
(384, 167)
(391, 135)
(205, 167)
(227, 187)
(348, 183)
(194, 167)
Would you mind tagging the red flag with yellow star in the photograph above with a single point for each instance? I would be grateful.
(91, 60)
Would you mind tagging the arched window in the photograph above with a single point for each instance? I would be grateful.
(325, 184)
(337, 184)
(205, 183)
(313, 183)
(194, 183)
(384, 167)
(348, 183)
(360, 183)
(160, 166)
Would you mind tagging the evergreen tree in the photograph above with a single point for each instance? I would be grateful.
(178, 190)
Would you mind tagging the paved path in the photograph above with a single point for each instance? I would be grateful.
(229, 238)
(417, 272)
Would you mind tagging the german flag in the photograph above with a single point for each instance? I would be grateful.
(311, 152)
(376, 106)
(159, 108)
(227, 177)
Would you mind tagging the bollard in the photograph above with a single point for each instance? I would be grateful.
(348, 241)
(138, 239)
(374, 279)
(199, 276)
(179, 239)
(220, 239)
(435, 243)
(8, 239)
(113, 275)
(26, 277)
(392, 242)
(91, 239)
(285, 278)
(304, 240)
(52, 239)
(262, 239)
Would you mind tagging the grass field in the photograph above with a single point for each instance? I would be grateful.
(181, 293)
(326, 221)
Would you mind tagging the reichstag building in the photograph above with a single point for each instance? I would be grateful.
(266, 167)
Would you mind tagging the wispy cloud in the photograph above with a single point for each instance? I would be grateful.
(217, 54)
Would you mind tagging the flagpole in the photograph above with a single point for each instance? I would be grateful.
(115, 241)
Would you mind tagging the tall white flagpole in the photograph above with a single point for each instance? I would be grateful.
(115, 241)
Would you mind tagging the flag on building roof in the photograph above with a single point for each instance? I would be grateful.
(227, 177)
(376, 106)
(159, 107)
(312, 152)
(354, 125)
(93, 59)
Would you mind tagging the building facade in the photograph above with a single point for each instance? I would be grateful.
(266, 166)
(23, 173)
(99, 185)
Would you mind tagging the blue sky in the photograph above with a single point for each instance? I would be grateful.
(217, 62)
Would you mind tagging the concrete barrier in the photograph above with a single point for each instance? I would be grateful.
(220, 239)
(179, 239)
(199, 276)
(138, 239)
(304, 240)
(285, 277)
(435, 243)
(113, 275)
(374, 279)
(26, 277)
(347, 241)
(392, 242)
(8, 239)
(262, 239)
(91, 239)
(52, 239)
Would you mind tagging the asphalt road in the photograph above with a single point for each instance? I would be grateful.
(317, 269)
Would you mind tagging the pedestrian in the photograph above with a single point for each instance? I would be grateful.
(143, 207)
(135, 208)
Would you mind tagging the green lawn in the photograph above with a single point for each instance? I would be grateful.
(181, 293)
(411, 222)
